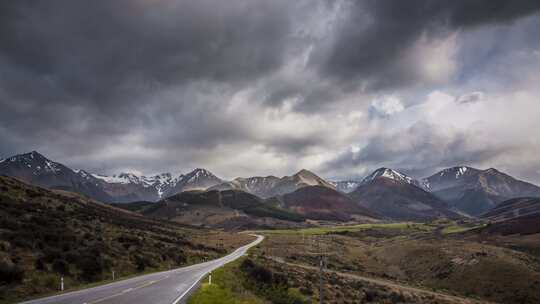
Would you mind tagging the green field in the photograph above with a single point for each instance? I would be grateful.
(351, 228)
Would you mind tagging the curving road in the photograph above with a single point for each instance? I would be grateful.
(167, 287)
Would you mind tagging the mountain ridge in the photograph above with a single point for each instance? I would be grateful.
(35, 168)
(475, 191)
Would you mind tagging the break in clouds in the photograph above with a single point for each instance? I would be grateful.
(268, 87)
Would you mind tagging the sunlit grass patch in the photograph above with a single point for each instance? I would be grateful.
(352, 228)
(457, 228)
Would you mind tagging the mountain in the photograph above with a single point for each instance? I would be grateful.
(475, 191)
(323, 203)
(270, 186)
(198, 179)
(128, 187)
(52, 233)
(390, 174)
(125, 187)
(259, 186)
(396, 196)
(230, 209)
(346, 186)
(36, 169)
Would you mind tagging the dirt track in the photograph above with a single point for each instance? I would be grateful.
(393, 285)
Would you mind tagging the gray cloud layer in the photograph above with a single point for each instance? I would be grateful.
(266, 87)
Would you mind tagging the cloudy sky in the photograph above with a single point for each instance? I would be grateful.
(257, 87)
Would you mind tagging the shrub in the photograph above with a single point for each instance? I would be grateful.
(60, 266)
(40, 264)
(10, 273)
(91, 267)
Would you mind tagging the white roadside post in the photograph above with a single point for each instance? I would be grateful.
(61, 283)
(210, 279)
(113, 275)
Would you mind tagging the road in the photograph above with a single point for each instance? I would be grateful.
(167, 287)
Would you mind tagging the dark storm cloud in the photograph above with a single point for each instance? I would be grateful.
(73, 69)
(92, 47)
(369, 43)
(146, 84)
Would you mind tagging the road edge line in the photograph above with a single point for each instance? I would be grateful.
(189, 289)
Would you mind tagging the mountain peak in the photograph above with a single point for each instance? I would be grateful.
(35, 162)
(29, 155)
(390, 174)
(492, 171)
(305, 172)
(200, 172)
(457, 171)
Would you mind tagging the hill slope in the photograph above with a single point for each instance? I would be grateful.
(513, 208)
(45, 234)
(232, 209)
(322, 203)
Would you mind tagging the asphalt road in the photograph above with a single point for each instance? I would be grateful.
(167, 287)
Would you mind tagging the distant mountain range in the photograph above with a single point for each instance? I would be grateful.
(387, 193)
(36, 169)
(270, 186)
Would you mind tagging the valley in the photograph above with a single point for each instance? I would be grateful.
(388, 238)
(269, 152)
(439, 262)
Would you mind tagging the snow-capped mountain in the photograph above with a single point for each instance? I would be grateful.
(390, 174)
(449, 177)
(346, 186)
(198, 179)
(475, 191)
(35, 168)
(397, 196)
(124, 187)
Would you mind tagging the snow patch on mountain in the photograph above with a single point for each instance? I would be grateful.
(345, 186)
(390, 174)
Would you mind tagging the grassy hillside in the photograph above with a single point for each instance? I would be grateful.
(230, 209)
(48, 234)
(247, 282)
(445, 257)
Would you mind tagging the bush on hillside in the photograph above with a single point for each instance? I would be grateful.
(10, 273)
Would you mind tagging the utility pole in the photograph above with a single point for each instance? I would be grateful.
(113, 275)
(321, 279)
(321, 253)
